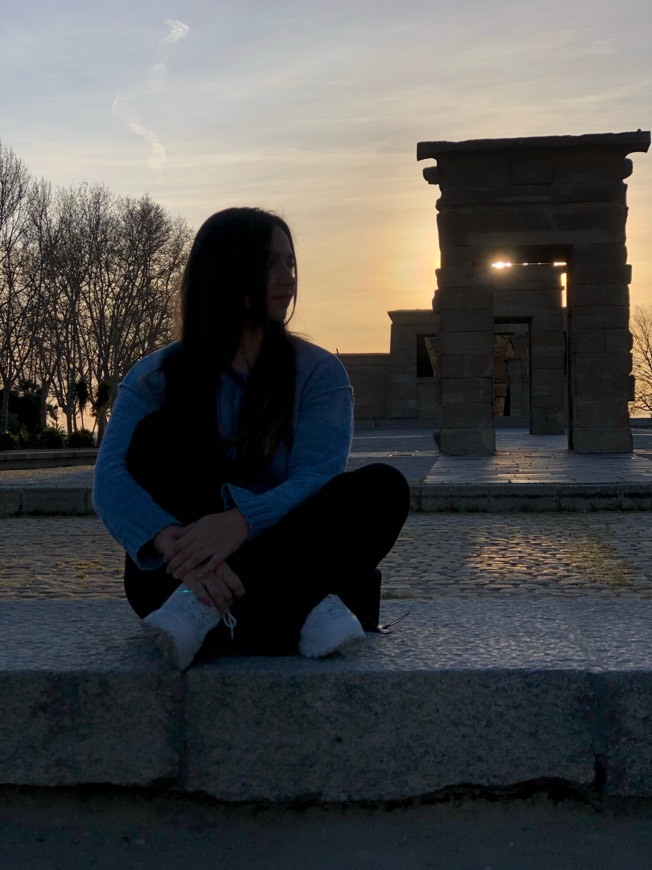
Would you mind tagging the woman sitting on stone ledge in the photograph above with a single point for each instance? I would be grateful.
(222, 470)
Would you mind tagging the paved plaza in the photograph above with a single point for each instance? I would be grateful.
(603, 553)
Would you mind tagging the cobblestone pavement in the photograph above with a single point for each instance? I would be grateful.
(558, 554)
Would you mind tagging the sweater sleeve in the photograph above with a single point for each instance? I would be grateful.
(320, 448)
(130, 514)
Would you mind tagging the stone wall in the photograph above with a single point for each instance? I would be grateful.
(401, 384)
(369, 376)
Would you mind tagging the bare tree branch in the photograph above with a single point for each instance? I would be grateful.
(641, 327)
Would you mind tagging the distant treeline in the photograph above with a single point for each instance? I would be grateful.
(88, 282)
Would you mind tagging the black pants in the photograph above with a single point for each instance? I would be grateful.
(331, 543)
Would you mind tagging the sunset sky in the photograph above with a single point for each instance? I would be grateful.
(314, 109)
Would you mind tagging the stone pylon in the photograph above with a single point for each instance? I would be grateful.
(539, 201)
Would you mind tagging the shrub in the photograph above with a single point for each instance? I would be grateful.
(9, 441)
(50, 437)
(81, 438)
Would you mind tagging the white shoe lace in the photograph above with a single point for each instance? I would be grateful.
(230, 621)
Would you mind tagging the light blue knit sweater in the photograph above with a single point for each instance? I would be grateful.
(322, 426)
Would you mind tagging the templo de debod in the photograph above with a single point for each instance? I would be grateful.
(522, 223)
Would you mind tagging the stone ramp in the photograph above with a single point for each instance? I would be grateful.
(462, 692)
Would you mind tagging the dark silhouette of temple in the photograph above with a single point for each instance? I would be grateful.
(522, 223)
(545, 205)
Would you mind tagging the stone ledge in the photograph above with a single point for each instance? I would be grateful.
(60, 458)
(465, 691)
(424, 498)
(46, 500)
(534, 497)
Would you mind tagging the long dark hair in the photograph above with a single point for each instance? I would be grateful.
(224, 286)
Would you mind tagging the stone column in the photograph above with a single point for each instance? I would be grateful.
(464, 302)
(601, 383)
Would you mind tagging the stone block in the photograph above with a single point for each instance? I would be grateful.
(607, 412)
(618, 341)
(552, 240)
(85, 697)
(533, 498)
(468, 320)
(546, 339)
(330, 746)
(468, 442)
(616, 635)
(546, 383)
(527, 303)
(453, 365)
(462, 276)
(587, 166)
(11, 501)
(607, 386)
(491, 692)
(531, 170)
(593, 255)
(537, 285)
(589, 341)
(603, 273)
(601, 317)
(549, 421)
(636, 497)
(477, 343)
(480, 298)
(560, 224)
(589, 497)
(599, 294)
(626, 701)
(466, 415)
(472, 170)
(64, 501)
(587, 365)
(548, 362)
(448, 299)
(463, 498)
(461, 256)
(542, 194)
(602, 439)
(474, 390)
(456, 298)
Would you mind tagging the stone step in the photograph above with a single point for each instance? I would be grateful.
(463, 691)
(425, 498)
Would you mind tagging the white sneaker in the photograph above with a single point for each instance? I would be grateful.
(329, 627)
(179, 627)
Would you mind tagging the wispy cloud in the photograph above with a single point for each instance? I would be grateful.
(130, 104)
(178, 30)
(157, 157)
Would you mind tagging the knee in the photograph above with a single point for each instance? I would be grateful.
(386, 485)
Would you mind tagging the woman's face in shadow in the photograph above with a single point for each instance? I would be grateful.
(281, 278)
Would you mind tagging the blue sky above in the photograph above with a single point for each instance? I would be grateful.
(314, 110)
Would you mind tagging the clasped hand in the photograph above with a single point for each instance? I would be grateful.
(196, 555)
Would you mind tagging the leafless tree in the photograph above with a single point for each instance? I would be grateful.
(16, 339)
(641, 327)
(45, 313)
(136, 253)
(88, 284)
